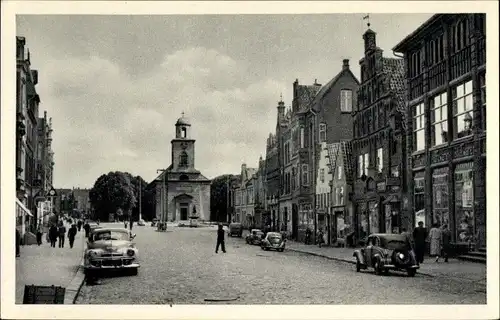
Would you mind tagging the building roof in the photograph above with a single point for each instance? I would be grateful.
(395, 68)
(340, 149)
(403, 44)
(172, 176)
(183, 121)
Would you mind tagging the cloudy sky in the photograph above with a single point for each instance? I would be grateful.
(115, 85)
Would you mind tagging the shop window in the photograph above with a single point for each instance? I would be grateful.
(482, 83)
(440, 209)
(373, 217)
(462, 110)
(380, 159)
(439, 116)
(418, 127)
(419, 198)
(464, 202)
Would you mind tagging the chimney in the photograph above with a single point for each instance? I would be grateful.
(345, 64)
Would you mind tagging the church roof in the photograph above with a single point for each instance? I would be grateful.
(175, 176)
(183, 121)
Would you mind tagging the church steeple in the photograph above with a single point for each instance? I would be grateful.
(182, 128)
(370, 36)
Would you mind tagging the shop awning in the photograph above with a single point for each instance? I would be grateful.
(393, 198)
(20, 205)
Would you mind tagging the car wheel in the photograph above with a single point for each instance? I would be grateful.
(411, 272)
(262, 248)
(281, 250)
(378, 269)
(358, 265)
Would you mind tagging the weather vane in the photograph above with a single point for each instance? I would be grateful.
(281, 96)
(367, 17)
(182, 114)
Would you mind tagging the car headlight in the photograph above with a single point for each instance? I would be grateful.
(130, 252)
(93, 253)
(401, 256)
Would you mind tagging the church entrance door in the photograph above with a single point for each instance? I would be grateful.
(184, 211)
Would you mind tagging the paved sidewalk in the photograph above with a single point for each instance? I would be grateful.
(457, 269)
(43, 265)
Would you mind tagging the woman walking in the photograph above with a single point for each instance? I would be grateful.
(446, 242)
(435, 239)
(39, 233)
(53, 233)
(62, 234)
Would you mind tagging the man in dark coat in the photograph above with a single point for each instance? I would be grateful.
(53, 233)
(419, 237)
(220, 240)
(62, 234)
(71, 235)
(86, 227)
(446, 240)
(79, 225)
(18, 243)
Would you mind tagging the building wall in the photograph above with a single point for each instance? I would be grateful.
(200, 198)
(447, 177)
(323, 192)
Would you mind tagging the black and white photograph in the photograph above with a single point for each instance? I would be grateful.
(249, 157)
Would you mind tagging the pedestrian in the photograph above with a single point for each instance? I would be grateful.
(308, 236)
(446, 235)
(39, 233)
(131, 224)
(320, 237)
(125, 224)
(53, 235)
(220, 240)
(86, 227)
(80, 223)
(18, 243)
(71, 235)
(62, 234)
(435, 239)
(419, 237)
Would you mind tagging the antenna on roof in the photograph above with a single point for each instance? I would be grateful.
(367, 17)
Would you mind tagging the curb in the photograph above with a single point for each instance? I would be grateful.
(74, 287)
(344, 260)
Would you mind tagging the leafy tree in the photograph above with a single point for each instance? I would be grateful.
(112, 191)
(218, 197)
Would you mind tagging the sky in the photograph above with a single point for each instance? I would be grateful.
(115, 85)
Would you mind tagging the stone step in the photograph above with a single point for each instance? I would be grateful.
(472, 258)
(477, 254)
(482, 249)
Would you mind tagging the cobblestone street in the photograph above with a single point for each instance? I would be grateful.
(181, 267)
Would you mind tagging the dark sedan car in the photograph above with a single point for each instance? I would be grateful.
(384, 252)
(255, 237)
(273, 241)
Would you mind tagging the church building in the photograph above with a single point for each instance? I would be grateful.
(186, 190)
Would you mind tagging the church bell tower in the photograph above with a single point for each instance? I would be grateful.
(183, 147)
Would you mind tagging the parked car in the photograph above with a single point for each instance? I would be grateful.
(110, 249)
(193, 222)
(236, 228)
(141, 222)
(255, 237)
(94, 226)
(384, 252)
(154, 222)
(273, 240)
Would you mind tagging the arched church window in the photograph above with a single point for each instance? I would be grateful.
(183, 159)
(183, 132)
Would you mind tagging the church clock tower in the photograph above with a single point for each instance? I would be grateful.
(183, 147)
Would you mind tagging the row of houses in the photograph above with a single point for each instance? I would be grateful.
(403, 144)
(34, 154)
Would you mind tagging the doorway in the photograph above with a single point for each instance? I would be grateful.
(295, 221)
(184, 211)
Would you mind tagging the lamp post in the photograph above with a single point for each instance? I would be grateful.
(164, 207)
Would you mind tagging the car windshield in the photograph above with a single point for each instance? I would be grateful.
(274, 238)
(111, 235)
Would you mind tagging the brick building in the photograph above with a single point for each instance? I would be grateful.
(244, 196)
(446, 142)
(273, 175)
(328, 120)
(378, 144)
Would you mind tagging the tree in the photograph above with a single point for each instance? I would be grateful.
(112, 191)
(218, 197)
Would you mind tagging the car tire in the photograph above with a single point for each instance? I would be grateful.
(378, 269)
(411, 272)
(281, 250)
(262, 248)
(358, 266)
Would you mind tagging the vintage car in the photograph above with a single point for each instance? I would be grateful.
(110, 249)
(273, 240)
(384, 252)
(255, 237)
(141, 222)
(235, 228)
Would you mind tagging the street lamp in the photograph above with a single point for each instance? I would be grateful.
(162, 225)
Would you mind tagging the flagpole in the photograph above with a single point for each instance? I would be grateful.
(140, 200)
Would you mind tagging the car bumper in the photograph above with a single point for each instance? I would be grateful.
(273, 247)
(391, 266)
(104, 264)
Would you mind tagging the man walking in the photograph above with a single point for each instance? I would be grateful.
(62, 234)
(18, 243)
(71, 235)
(86, 227)
(53, 235)
(39, 233)
(220, 240)
(419, 237)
